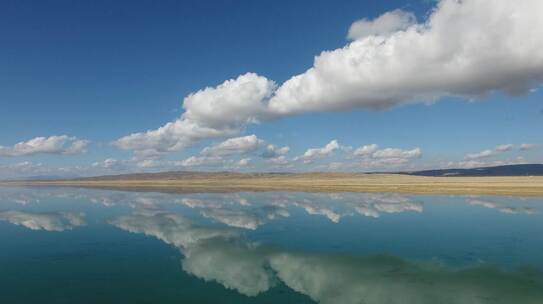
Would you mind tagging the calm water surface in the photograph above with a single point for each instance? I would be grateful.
(67, 245)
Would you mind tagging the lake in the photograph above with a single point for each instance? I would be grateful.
(70, 245)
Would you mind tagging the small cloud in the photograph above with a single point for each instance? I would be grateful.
(489, 152)
(504, 148)
(279, 161)
(109, 163)
(314, 153)
(243, 162)
(195, 161)
(273, 151)
(61, 144)
(372, 156)
(237, 145)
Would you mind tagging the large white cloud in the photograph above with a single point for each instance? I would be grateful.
(465, 48)
(212, 112)
(57, 144)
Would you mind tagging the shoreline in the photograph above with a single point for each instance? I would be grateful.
(315, 182)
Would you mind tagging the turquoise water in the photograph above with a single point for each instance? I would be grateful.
(68, 245)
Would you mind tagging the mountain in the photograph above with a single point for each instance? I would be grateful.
(174, 175)
(507, 170)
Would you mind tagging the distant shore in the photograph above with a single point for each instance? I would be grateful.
(310, 182)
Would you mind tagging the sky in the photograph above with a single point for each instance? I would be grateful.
(107, 87)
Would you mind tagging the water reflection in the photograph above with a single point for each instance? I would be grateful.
(435, 249)
(501, 207)
(251, 268)
(247, 216)
(250, 213)
(242, 210)
(53, 221)
(251, 210)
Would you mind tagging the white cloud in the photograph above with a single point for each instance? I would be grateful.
(149, 163)
(475, 163)
(504, 148)
(489, 152)
(21, 170)
(366, 150)
(482, 154)
(273, 151)
(195, 161)
(231, 104)
(279, 161)
(391, 153)
(454, 53)
(386, 24)
(237, 145)
(372, 156)
(109, 163)
(61, 144)
(212, 112)
(243, 162)
(314, 153)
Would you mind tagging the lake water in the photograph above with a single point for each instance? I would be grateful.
(69, 245)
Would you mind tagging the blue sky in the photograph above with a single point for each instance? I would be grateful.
(98, 71)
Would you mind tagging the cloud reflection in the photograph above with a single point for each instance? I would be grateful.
(53, 221)
(501, 207)
(244, 215)
(224, 256)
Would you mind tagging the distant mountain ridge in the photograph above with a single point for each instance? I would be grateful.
(506, 170)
